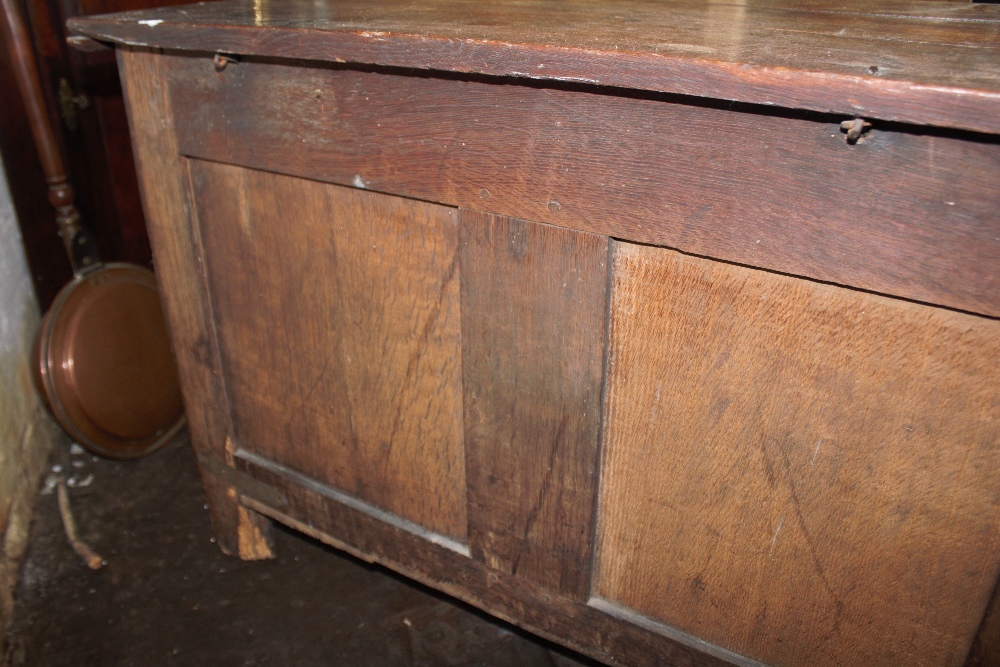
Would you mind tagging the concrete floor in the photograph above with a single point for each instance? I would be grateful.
(168, 596)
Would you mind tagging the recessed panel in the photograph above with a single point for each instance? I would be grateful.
(338, 322)
(797, 472)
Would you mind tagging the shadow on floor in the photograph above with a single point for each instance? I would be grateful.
(168, 596)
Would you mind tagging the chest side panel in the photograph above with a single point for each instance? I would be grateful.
(337, 313)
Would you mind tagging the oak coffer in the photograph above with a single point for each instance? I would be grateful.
(665, 330)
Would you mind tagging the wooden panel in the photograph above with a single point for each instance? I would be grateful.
(179, 272)
(338, 319)
(911, 61)
(798, 472)
(904, 214)
(534, 300)
(511, 598)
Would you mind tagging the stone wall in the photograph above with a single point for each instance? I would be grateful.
(26, 432)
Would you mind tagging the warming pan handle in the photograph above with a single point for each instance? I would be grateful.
(80, 246)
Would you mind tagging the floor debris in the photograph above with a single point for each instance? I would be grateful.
(169, 597)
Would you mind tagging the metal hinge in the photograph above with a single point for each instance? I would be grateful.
(70, 104)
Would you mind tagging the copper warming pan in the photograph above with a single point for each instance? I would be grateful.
(104, 365)
(102, 357)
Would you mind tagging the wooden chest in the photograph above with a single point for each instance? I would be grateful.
(667, 331)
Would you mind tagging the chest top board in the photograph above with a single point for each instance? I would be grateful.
(665, 330)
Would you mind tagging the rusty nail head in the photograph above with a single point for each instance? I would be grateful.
(854, 128)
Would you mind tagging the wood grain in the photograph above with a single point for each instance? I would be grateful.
(28, 191)
(985, 651)
(911, 61)
(798, 472)
(183, 291)
(338, 319)
(904, 214)
(515, 599)
(792, 471)
(534, 300)
(60, 193)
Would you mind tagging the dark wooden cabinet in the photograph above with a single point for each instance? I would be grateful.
(592, 315)
(87, 113)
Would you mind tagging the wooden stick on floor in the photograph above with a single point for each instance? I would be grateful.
(94, 561)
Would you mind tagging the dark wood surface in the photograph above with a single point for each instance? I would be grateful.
(180, 273)
(780, 467)
(916, 62)
(534, 300)
(96, 149)
(800, 473)
(913, 215)
(60, 193)
(596, 633)
(337, 312)
(102, 160)
(99, 147)
(29, 193)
